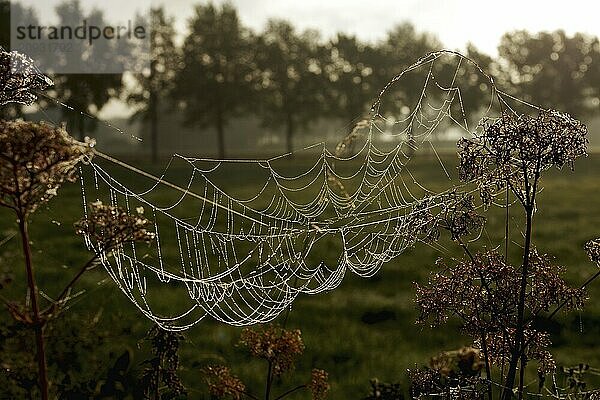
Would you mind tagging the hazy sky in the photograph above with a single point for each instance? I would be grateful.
(455, 22)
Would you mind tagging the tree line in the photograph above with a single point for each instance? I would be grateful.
(289, 78)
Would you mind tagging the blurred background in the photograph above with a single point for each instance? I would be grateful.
(260, 78)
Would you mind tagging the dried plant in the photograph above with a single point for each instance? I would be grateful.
(280, 348)
(222, 384)
(592, 249)
(319, 384)
(19, 77)
(160, 379)
(498, 303)
(515, 150)
(35, 160)
(111, 225)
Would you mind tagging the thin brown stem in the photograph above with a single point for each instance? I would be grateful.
(60, 300)
(269, 381)
(37, 321)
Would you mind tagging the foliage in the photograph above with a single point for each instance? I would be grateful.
(291, 75)
(217, 59)
(157, 82)
(85, 92)
(552, 69)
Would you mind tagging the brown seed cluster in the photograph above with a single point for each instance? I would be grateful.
(222, 383)
(35, 159)
(280, 347)
(110, 226)
(319, 384)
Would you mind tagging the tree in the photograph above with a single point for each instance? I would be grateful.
(352, 73)
(553, 69)
(156, 82)
(85, 93)
(291, 77)
(214, 82)
(400, 49)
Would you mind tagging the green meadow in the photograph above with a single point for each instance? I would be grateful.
(363, 329)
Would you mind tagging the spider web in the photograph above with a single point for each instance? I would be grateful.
(243, 256)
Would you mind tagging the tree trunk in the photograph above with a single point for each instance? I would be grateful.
(289, 133)
(81, 127)
(154, 126)
(220, 135)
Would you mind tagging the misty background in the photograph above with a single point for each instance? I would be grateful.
(220, 86)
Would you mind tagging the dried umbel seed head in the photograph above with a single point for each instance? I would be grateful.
(319, 385)
(279, 346)
(110, 226)
(515, 148)
(35, 159)
(19, 78)
(592, 249)
(221, 383)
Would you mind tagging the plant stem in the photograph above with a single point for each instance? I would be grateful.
(38, 324)
(60, 300)
(520, 334)
(269, 381)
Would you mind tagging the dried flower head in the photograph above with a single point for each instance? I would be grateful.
(319, 385)
(110, 226)
(592, 249)
(514, 149)
(19, 77)
(221, 383)
(35, 159)
(279, 346)
(483, 294)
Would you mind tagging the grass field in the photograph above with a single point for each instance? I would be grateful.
(361, 330)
